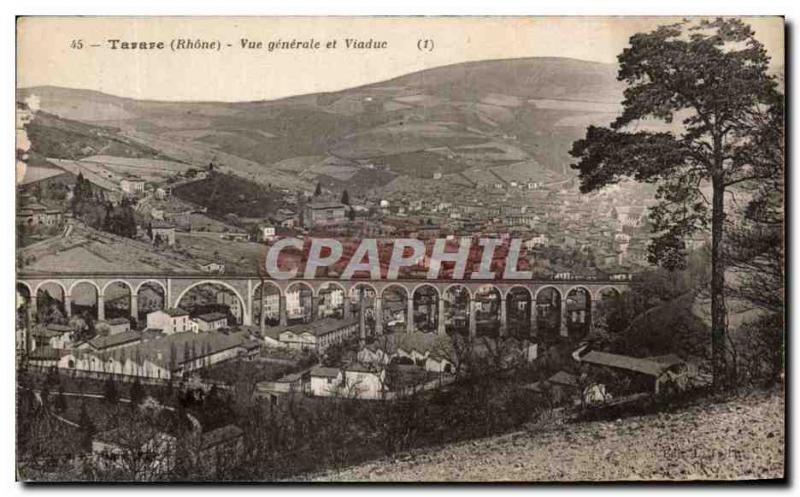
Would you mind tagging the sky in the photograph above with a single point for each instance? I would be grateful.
(46, 53)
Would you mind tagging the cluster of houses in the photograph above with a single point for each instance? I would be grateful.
(316, 336)
(153, 356)
(172, 345)
(398, 364)
(35, 214)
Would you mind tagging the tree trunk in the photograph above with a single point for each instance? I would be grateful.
(718, 312)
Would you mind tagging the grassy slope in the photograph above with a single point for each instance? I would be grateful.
(52, 136)
(739, 438)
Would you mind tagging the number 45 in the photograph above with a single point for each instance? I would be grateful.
(76, 44)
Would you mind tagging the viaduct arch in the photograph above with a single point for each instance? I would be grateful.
(245, 288)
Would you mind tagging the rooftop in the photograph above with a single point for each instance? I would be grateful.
(104, 342)
(174, 312)
(644, 366)
(326, 205)
(211, 316)
(324, 372)
(319, 327)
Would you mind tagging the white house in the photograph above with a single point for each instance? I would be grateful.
(213, 267)
(294, 305)
(363, 382)
(324, 382)
(169, 321)
(540, 240)
(132, 185)
(267, 232)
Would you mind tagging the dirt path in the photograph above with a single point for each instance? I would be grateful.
(739, 439)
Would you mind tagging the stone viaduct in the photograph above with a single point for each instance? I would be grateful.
(246, 288)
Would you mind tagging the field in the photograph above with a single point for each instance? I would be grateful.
(38, 172)
(422, 164)
(93, 172)
(237, 256)
(89, 250)
(194, 152)
(148, 169)
(401, 138)
(526, 171)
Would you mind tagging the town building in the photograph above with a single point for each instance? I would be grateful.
(162, 232)
(285, 385)
(235, 236)
(213, 267)
(324, 381)
(649, 373)
(118, 325)
(266, 233)
(319, 213)
(317, 335)
(164, 358)
(211, 321)
(169, 321)
(45, 357)
(132, 185)
(35, 214)
(55, 336)
(232, 302)
(111, 342)
(331, 301)
(430, 351)
(371, 382)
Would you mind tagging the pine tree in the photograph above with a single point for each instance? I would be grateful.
(345, 198)
(318, 190)
(714, 75)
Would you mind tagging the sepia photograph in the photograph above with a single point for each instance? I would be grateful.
(400, 249)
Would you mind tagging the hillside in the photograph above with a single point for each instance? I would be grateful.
(739, 438)
(54, 136)
(447, 119)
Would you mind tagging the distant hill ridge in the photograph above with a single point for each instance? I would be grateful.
(511, 110)
(543, 77)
